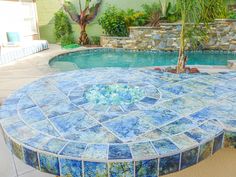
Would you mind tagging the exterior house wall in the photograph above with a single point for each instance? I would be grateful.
(47, 9)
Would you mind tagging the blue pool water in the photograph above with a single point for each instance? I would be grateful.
(124, 58)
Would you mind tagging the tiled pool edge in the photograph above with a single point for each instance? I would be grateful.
(164, 165)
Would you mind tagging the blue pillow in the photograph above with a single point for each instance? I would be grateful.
(13, 37)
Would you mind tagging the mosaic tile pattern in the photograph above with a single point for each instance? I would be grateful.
(116, 122)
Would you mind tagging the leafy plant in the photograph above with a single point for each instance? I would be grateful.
(231, 14)
(135, 18)
(195, 12)
(113, 22)
(67, 40)
(63, 29)
(172, 13)
(95, 40)
(83, 17)
(152, 13)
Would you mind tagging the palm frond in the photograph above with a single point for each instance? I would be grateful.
(71, 10)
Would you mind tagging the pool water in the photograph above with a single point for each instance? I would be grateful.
(125, 58)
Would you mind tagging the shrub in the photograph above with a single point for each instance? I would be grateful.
(163, 10)
(135, 18)
(231, 14)
(63, 28)
(113, 22)
(67, 39)
(95, 40)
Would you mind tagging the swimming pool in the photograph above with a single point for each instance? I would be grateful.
(135, 59)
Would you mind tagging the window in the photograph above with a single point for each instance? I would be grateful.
(29, 17)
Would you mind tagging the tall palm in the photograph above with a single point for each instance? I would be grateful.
(84, 17)
(194, 12)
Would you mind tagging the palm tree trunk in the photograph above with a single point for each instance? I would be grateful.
(83, 40)
(182, 59)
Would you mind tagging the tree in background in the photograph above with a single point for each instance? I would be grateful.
(84, 17)
(194, 12)
(63, 29)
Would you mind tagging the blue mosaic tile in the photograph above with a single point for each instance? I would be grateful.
(49, 164)
(218, 143)
(25, 102)
(58, 108)
(159, 116)
(128, 127)
(152, 135)
(117, 169)
(212, 127)
(73, 149)
(31, 158)
(54, 145)
(6, 113)
(178, 126)
(71, 168)
(184, 105)
(95, 169)
(198, 134)
(96, 151)
(73, 122)
(17, 150)
(202, 115)
(229, 124)
(37, 140)
(205, 150)
(183, 141)
(100, 116)
(142, 150)
(189, 158)
(96, 134)
(164, 146)
(176, 89)
(146, 168)
(149, 100)
(45, 127)
(169, 164)
(119, 151)
(32, 115)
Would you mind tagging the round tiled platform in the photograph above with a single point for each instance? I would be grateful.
(120, 122)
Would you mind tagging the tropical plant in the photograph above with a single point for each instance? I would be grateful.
(63, 29)
(231, 14)
(172, 13)
(83, 17)
(194, 12)
(95, 40)
(152, 13)
(135, 18)
(113, 22)
(116, 22)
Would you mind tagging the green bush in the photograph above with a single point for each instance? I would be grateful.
(63, 29)
(113, 22)
(67, 40)
(231, 15)
(150, 9)
(95, 40)
(135, 18)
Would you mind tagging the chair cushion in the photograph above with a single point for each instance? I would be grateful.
(13, 37)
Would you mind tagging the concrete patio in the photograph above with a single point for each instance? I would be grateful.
(15, 75)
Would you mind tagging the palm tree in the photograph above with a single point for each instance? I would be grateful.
(195, 17)
(84, 17)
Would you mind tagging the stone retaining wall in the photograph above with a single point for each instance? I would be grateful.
(222, 36)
